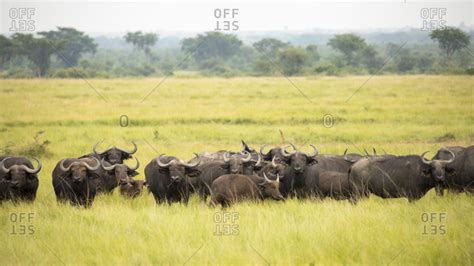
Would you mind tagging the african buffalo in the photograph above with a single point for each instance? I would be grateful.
(238, 163)
(113, 155)
(391, 177)
(454, 169)
(18, 178)
(73, 180)
(228, 189)
(167, 178)
(113, 175)
(297, 161)
(132, 189)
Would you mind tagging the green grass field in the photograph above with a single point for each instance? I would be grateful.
(400, 114)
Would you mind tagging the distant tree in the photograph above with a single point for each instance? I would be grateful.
(142, 41)
(75, 43)
(371, 59)
(7, 50)
(349, 45)
(37, 50)
(450, 40)
(313, 52)
(292, 60)
(211, 48)
(405, 61)
(270, 46)
(424, 61)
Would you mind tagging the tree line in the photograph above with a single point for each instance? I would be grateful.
(70, 53)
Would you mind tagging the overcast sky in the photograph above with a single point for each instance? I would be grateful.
(112, 17)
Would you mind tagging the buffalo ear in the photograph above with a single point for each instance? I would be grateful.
(126, 156)
(132, 173)
(312, 160)
(192, 172)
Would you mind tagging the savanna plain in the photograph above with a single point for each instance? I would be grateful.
(59, 118)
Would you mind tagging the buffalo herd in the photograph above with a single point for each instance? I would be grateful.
(231, 176)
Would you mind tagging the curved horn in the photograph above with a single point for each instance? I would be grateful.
(246, 159)
(90, 167)
(285, 153)
(293, 146)
(35, 170)
(65, 169)
(274, 165)
(453, 156)
(95, 148)
(349, 160)
(107, 168)
(278, 178)
(423, 158)
(366, 152)
(226, 157)
(259, 160)
(266, 178)
(315, 151)
(163, 165)
(5, 170)
(136, 166)
(261, 151)
(345, 152)
(198, 161)
(135, 149)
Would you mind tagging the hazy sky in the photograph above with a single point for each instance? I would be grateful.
(97, 17)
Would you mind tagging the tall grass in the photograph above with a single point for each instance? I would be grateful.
(402, 115)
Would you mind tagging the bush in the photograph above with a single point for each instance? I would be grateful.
(78, 72)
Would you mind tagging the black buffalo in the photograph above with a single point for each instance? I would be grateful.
(391, 177)
(18, 178)
(73, 180)
(228, 189)
(113, 155)
(167, 178)
(457, 175)
(293, 181)
(237, 163)
(113, 175)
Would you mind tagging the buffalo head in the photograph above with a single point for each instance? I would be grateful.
(115, 155)
(274, 169)
(298, 160)
(122, 172)
(178, 169)
(17, 174)
(80, 169)
(271, 188)
(241, 163)
(438, 166)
